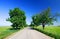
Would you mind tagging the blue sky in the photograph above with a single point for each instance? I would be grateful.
(30, 7)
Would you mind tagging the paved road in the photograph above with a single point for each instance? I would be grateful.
(28, 33)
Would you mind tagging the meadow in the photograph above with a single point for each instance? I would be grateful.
(6, 31)
(53, 31)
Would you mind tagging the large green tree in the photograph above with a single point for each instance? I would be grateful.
(44, 18)
(17, 18)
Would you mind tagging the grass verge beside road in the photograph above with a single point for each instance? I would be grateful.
(5, 31)
(53, 31)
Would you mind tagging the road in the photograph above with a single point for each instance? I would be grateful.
(28, 33)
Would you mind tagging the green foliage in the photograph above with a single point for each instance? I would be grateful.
(35, 20)
(17, 18)
(44, 18)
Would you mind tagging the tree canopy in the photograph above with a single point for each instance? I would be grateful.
(43, 18)
(17, 18)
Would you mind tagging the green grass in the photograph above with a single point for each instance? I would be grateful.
(5, 31)
(53, 31)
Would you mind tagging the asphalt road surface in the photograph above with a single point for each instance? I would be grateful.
(28, 33)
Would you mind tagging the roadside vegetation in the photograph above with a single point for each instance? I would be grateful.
(46, 18)
(6, 31)
(17, 18)
(53, 31)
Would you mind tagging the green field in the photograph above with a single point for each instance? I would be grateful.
(53, 31)
(5, 31)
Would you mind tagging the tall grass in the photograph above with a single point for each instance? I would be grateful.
(52, 31)
(5, 31)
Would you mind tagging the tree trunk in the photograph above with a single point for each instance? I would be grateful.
(43, 25)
